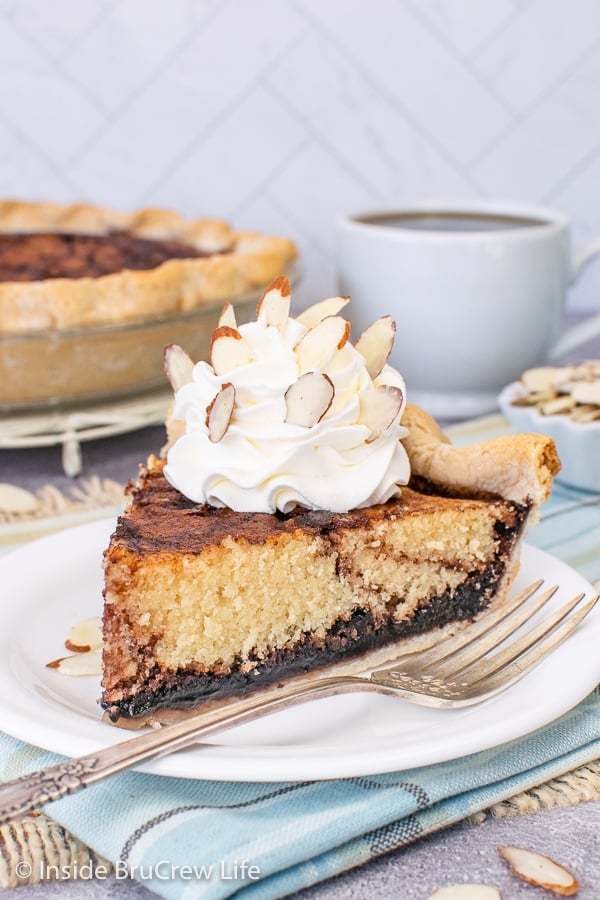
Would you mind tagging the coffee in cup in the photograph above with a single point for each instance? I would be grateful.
(477, 290)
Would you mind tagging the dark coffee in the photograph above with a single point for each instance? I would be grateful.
(450, 221)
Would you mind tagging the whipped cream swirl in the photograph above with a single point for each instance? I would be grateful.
(264, 462)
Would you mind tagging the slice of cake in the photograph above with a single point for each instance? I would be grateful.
(304, 517)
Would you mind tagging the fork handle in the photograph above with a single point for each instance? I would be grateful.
(25, 794)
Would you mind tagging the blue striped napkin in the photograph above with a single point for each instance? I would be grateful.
(209, 839)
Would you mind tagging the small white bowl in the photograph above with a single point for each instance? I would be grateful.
(578, 444)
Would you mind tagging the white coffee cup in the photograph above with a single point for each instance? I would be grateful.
(477, 290)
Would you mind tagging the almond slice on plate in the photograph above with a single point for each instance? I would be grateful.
(308, 399)
(375, 344)
(541, 870)
(89, 663)
(85, 635)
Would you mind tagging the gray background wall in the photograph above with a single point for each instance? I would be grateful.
(278, 114)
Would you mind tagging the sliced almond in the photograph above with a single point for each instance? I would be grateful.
(274, 305)
(379, 408)
(89, 663)
(466, 892)
(560, 404)
(317, 347)
(590, 367)
(570, 390)
(314, 314)
(308, 399)
(15, 499)
(219, 412)
(85, 635)
(178, 366)
(541, 870)
(227, 316)
(585, 413)
(541, 378)
(228, 350)
(586, 392)
(375, 344)
(534, 399)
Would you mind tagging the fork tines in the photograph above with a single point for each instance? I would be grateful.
(463, 666)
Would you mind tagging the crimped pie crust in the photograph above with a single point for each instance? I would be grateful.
(242, 263)
(519, 467)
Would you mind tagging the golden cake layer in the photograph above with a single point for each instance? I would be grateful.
(203, 602)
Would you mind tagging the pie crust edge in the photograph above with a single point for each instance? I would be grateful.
(244, 262)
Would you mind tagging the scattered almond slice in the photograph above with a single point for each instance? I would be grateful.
(228, 350)
(466, 892)
(541, 870)
(375, 344)
(178, 366)
(379, 408)
(89, 663)
(227, 316)
(219, 412)
(308, 399)
(85, 635)
(314, 314)
(15, 499)
(317, 347)
(274, 305)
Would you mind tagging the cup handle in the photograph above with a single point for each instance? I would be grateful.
(589, 328)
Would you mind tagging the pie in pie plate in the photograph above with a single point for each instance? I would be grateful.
(90, 296)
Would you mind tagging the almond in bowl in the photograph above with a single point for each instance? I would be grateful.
(563, 403)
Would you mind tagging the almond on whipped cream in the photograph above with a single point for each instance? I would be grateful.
(315, 420)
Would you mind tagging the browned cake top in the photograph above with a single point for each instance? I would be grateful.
(34, 257)
(161, 518)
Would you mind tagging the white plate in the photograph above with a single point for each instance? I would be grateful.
(57, 581)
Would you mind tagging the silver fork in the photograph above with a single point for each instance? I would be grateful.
(458, 671)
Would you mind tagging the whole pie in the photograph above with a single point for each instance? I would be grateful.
(90, 296)
(66, 267)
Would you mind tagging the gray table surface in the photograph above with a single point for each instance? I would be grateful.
(463, 853)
